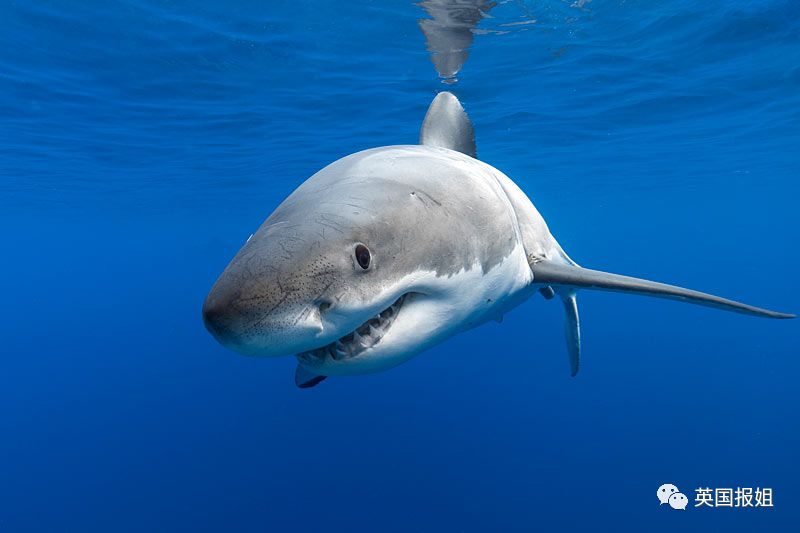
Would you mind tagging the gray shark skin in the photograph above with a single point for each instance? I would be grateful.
(389, 251)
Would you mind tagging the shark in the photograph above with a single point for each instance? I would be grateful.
(390, 251)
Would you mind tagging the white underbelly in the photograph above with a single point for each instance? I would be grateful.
(460, 302)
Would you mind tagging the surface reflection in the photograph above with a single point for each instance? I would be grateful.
(449, 32)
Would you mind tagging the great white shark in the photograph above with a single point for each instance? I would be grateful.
(389, 251)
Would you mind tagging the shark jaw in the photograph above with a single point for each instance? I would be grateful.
(430, 309)
(358, 341)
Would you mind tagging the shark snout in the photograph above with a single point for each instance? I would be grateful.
(219, 316)
(261, 316)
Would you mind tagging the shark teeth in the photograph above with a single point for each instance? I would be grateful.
(363, 337)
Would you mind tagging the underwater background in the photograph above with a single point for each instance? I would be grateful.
(143, 141)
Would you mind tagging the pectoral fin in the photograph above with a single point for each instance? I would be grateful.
(572, 276)
(306, 379)
(572, 330)
(564, 279)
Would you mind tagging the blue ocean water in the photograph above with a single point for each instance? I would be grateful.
(142, 141)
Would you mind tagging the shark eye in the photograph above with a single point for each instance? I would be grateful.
(362, 256)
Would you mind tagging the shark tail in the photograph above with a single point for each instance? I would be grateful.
(565, 279)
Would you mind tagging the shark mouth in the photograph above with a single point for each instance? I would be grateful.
(356, 342)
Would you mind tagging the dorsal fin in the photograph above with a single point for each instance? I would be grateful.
(447, 125)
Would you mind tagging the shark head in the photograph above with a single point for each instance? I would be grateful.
(318, 284)
(366, 264)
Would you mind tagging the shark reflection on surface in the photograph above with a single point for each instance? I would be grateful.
(449, 32)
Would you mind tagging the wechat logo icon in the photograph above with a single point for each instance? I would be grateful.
(670, 494)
